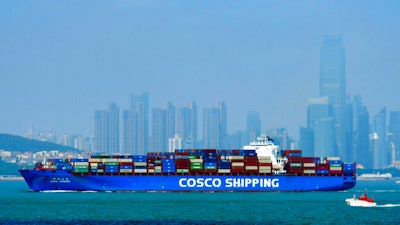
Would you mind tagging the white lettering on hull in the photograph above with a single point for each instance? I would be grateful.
(229, 182)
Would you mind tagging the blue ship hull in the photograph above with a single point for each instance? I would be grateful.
(52, 180)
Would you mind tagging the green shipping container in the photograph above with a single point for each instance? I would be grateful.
(182, 170)
(192, 167)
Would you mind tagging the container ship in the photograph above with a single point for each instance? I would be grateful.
(258, 167)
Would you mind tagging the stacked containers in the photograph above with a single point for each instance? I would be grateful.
(335, 166)
(111, 165)
(250, 161)
(80, 165)
(322, 166)
(224, 166)
(140, 164)
(196, 165)
(237, 164)
(264, 164)
(182, 161)
(125, 165)
(295, 161)
(158, 165)
(168, 166)
(309, 166)
(210, 160)
(151, 164)
(349, 169)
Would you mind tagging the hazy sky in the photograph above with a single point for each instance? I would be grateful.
(62, 60)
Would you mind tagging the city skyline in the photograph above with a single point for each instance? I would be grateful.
(64, 62)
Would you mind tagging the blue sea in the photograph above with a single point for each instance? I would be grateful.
(19, 205)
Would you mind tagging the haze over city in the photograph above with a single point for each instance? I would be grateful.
(62, 60)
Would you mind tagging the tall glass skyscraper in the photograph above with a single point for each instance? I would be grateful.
(214, 126)
(107, 129)
(320, 124)
(361, 150)
(394, 135)
(136, 125)
(333, 85)
(158, 131)
(187, 125)
(378, 139)
(253, 125)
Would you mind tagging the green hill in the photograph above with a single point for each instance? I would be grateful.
(10, 142)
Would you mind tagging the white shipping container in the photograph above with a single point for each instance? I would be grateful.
(238, 164)
(224, 171)
(140, 163)
(264, 167)
(151, 170)
(196, 160)
(335, 168)
(95, 160)
(125, 171)
(267, 158)
(109, 160)
(309, 171)
(81, 163)
(251, 167)
(333, 158)
(125, 160)
(308, 164)
(140, 171)
(235, 157)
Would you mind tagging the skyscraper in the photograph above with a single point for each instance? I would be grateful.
(136, 125)
(211, 128)
(379, 150)
(394, 135)
(187, 125)
(170, 121)
(113, 127)
(253, 125)
(320, 127)
(215, 126)
(333, 85)
(107, 129)
(101, 131)
(361, 150)
(158, 131)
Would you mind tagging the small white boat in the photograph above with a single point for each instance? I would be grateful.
(363, 201)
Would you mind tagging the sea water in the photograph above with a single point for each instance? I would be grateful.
(19, 205)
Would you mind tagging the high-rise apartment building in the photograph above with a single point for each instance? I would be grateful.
(107, 129)
(378, 138)
(186, 127)
(318, 137)
(158, 131)
(333, 85)
(136, 125)
(113, 128)
(214, 126)
(394, 135)
(362, 154)
(253, 124)
(170, 121)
